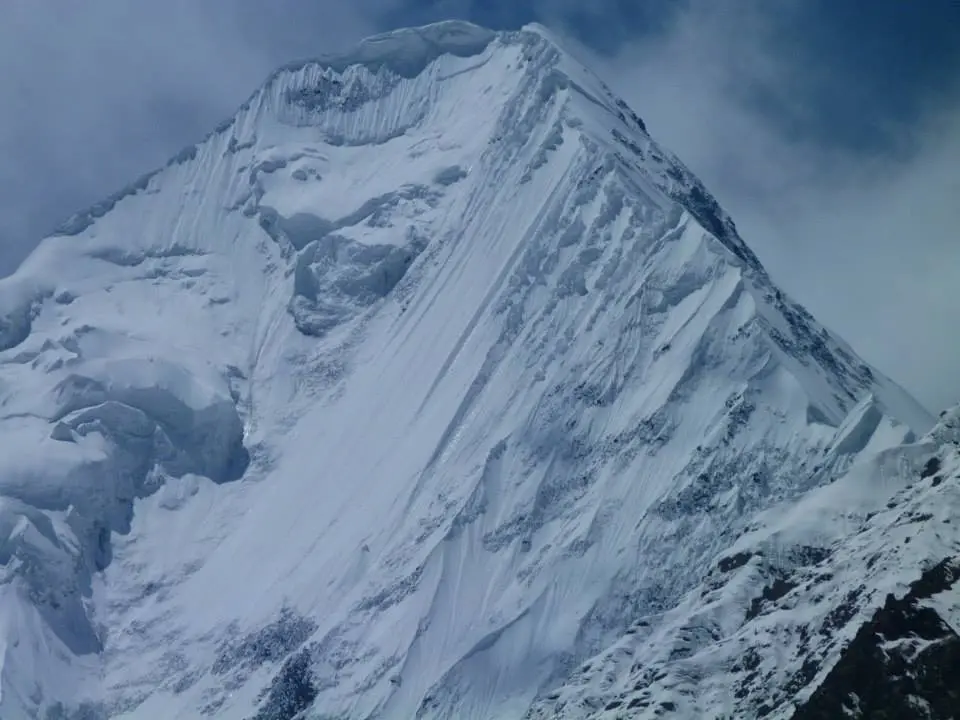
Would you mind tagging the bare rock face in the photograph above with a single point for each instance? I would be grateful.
(902, 663)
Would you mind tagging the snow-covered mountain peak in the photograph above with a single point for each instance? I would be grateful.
(408, 389)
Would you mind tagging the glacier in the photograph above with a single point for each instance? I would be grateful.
(430, 386)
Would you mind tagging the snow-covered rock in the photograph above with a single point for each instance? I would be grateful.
(421, 382)
(842, 603)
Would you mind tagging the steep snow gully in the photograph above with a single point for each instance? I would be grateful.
(430, 386)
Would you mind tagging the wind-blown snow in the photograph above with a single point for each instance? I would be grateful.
(406, 391)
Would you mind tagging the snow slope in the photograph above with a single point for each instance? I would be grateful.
(412, 387)
(839, 604)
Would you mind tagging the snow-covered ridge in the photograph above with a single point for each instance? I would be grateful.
(843, 603)
(405, 52)
(431, 367)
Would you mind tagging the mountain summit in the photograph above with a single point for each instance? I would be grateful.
(430, 386)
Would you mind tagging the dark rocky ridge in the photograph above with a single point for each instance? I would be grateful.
(903, 664)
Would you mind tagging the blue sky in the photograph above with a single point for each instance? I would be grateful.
(830, 129)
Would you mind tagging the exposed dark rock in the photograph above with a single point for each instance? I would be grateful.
(803, 677)
(807, 555)
(732, 562)
(291, 692)
(269, 644)
(940, 578)
(903, 664)
(771, 593)
(15, 326)
(842, 613)
(931, 468)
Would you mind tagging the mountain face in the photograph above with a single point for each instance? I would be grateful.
(430, 386)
